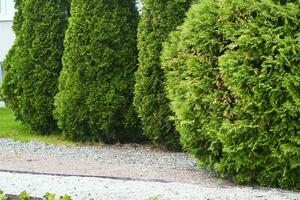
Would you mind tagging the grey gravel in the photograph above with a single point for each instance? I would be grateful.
(101, 172)
(98, 188)
(129, 154)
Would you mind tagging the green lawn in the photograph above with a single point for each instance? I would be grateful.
(10, 128)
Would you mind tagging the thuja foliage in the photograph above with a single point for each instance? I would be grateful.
(193, 81)
(262, 140)
(18, 16)
(35, 64)
(158, 19)
(232, 79)
(9, 85)
(96, 84)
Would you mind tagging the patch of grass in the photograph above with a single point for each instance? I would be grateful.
(10, 128)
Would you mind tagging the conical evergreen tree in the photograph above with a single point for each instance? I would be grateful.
(96, 85)
(35, 65)
(10, 80)
(159, 18)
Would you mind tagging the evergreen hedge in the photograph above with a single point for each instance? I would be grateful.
(9, 85)
(232, 79)
(193, 82)
(262, 140)
(158, 19)
(35, 64)
(96, 84)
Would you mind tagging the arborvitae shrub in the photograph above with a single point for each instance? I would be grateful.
(233, 81)
(96, 84)
(158, 19)
(262, 140)
(35, 63)
(10, 81)
(193, 81)
(18, 16)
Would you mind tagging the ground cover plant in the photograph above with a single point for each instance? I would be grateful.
(235, 65)
(25, 196)
(158, 19)
(94, 102)
(34, 63)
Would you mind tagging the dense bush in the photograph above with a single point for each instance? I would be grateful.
(194, 85)
(233, 82)
(159, 18)
(262, 140)
(96, 84)
(9, 86)
(35, 63)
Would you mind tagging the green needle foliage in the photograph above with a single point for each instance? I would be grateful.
(262, 140)
(9, 85)
(233, 81)
(96, 84)
(18, 17)
(35, 63)
(193, 82)
(159, 18)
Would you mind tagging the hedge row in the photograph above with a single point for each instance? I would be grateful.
(34, 63)
(228, 78)
(96, 84)
(236, 98)
(158, 19)
(95, 91)
(94, 99)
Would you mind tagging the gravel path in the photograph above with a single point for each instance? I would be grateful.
(129, 161)
(97, 188)
(136, 155)
(115, 172)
